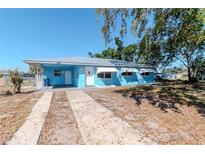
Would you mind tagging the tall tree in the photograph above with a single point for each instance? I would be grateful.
(127, 53)
(149, 51)
(109, 53)
(175, 34)
(185, 37)
(120, 47)
(139, 19)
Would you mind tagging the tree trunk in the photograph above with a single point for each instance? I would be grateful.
(18, 89)
(14, 89)
(189, 75)
(191, 78)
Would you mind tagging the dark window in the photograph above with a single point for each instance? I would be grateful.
(126, 73)
(104, 75)
(100, 75)
(145, 73)
(123, 73)
(107, 75)
(129, 73)
(57, 73)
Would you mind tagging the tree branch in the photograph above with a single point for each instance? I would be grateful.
(182, 61)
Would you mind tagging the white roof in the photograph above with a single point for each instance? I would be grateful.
(85, 61)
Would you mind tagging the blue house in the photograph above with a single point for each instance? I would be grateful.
(90, 72)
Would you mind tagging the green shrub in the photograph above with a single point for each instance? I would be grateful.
(16, 80)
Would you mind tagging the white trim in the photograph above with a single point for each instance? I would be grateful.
(142, 70)
(39, 81)
(106, 69)
(129, 70)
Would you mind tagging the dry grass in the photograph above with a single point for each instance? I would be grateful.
(60, 126)
(7, 88)
(13, 112)
(1, 82)
(2, 85)
(167, 113)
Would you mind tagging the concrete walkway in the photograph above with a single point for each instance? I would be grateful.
(98, 125)
(29, 132)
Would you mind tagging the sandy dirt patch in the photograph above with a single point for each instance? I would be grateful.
(60, 126)
(14, 110)
(178, 123)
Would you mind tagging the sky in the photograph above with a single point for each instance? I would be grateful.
(50, 33)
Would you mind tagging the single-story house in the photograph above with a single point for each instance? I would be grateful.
(95, 72)
(4, 73)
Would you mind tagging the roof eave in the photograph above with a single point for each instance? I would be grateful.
(30, 62)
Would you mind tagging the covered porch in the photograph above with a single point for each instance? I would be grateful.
(60, 75)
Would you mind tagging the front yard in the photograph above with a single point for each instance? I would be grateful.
(6, 88)
(60, 126)
(169, 113)
(14, 110)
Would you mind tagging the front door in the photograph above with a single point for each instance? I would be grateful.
(89, 76)
(68, 77)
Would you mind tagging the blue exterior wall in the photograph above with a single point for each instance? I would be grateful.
(57, 80)
(148, 79)
(75, 76)
(106, 82)
(79, 79)
(81, 76)
(117, 79)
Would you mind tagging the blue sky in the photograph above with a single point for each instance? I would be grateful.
(48, 33)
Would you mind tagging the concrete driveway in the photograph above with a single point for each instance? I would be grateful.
(98, 125)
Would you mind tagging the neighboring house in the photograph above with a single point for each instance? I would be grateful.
(202, 76)
(95, 72)
(182, 75)
(164, 76)
(4, 73)
(169, 76)
(4, 76)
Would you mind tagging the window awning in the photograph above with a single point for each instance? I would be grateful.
(106, 69)
(129, 70)
(147, 70)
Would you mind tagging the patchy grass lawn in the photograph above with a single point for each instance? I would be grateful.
(60, 126)
(169, 113)
(13, 112)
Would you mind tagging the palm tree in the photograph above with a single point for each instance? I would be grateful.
(16, 80)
